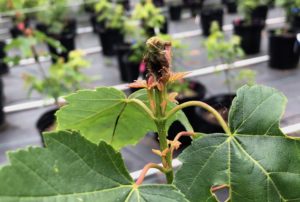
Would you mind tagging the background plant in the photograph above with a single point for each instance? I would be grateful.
(227, 51)
(292, 7)
(63, 77)
(25, 44)
(56, 17)
(111, 14)
(247, 7)
(6, 5)
(148, 14)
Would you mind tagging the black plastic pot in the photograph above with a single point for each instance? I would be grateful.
(284, 51)
(260, 13)
(132, 68)
(67, 41)
(97, 26)
(295, 25)
(41, 27)
(231, 7)
(175, 12)
(89, 7)
(15, 32)
(110, 38)
(177, 127)
(205, 124)
(250, 35)
(3, 66)
(208, 16)
(150, 31)
(66, 38)
(193, 5)
(121, 50)
(46, 121)
(70, 26)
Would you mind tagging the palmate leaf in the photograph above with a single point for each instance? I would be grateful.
(258, 163)
(107, 114)
(257, 111)
(74, 169)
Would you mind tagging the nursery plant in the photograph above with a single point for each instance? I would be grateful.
(63, 77)
(186, 89)
(111, 14)
(130, 52)
(150, 17)
(19, 19)
(284, 49)
(58, 23)
(248, 7)
(175, 8)
(111, 24)
(291, 8)
(55, 18)
(226, 50)
(26, 43)
(253, 158)
(211, 11)
(250, 27)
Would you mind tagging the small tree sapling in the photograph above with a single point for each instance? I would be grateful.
(63, 76)
(150, 16)
(87, 165)
(246, 7)
(227, 51)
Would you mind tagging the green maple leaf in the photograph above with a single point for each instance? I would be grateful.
(107, 114)
(257, 163)
(73, 169)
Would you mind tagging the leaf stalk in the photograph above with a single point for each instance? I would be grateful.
(146, 169)
(204, 106)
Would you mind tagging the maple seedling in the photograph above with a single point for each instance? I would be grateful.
(253, 159)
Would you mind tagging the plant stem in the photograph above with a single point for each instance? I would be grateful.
(178, 136)
(227, 79)
(145, 170)
(36, 58)
(145, 108)
(227, 73)
(163, 143)
(205, 106)
(43, 73)
(162, 133)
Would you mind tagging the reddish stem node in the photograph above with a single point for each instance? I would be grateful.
(178, 136)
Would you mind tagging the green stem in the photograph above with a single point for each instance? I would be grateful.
(145, 170)
(40, 66)
(162, 134)
(163, 143)
(205, 106)
(144, 107)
